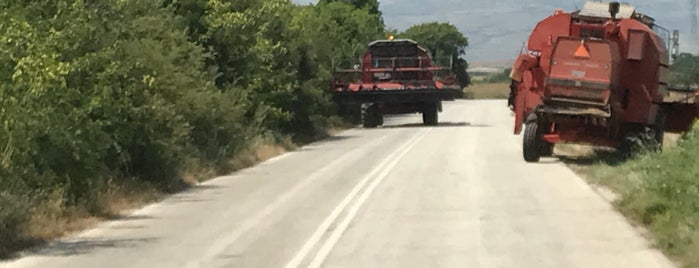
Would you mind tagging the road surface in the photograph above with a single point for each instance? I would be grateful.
(456, 195)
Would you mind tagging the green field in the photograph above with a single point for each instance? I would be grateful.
(488, 91)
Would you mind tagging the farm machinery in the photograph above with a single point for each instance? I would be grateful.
(598, 76)
(395, 77)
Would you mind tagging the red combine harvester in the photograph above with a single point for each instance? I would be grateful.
(395, 77)
(597, 76)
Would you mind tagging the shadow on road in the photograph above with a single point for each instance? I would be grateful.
(80, 247)
(444, 124)
(608, 157)
(133, 218)
(330, 139)
(336, 138)
(193, 194)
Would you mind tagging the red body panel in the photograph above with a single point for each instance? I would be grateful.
(587, 79)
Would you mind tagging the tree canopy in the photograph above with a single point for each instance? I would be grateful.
(442, 39)
(685, 70)
(445, 43)
(371, 5)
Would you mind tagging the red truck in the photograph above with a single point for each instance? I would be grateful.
(395, 77)
(598, 76)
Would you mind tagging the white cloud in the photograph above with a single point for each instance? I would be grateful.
(497, 28)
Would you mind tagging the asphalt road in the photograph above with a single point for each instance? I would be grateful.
(456, 195)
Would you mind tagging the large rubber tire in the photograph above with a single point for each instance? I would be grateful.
(659, 130)
(430, 114)
(639, 142)
(532, 143)
(547, 149)
(371, 117)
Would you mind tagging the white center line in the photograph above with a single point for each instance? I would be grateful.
(382, 169)
(231, 237)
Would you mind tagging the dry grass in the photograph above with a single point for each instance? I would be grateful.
(488, 91)
(267, 151)
(261, 150)
(51, 219)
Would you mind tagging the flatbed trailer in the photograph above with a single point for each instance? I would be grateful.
(395, 77)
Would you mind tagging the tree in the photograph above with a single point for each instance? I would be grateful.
(441, 39)
(685, 70)
(370, 5)
(330, 33)
(445, 43)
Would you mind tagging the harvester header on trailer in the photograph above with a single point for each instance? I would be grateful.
(396, 76)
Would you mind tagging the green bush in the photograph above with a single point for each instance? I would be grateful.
(92, 92)
(13, 216)
(109, 89)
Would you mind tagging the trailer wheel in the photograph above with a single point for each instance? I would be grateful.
(532, 144)
(371, 118)
(430, 114)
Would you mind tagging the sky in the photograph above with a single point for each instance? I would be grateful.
(498, 29)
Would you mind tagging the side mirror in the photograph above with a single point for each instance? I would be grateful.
(675, 44)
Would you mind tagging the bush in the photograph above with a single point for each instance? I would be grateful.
(15, 204)
(13, 216)
(110, 89)
(94, 92)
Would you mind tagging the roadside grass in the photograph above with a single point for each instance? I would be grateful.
(480, 91)
(48, 217)
(659, 191)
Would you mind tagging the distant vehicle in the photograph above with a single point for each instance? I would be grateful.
(396, 77)
(598, 76)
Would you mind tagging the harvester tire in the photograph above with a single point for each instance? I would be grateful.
(532, 144)
(638, 142)
(659, 129)
(371, 116)
(547, 149)
(430, 114)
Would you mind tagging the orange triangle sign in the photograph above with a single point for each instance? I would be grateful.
(582, 52)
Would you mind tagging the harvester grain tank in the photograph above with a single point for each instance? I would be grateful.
(597, 76)
(396, 76)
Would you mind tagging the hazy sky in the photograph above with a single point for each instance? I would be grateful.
(497, 29)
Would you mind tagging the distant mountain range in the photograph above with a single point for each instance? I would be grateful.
(497, 29)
